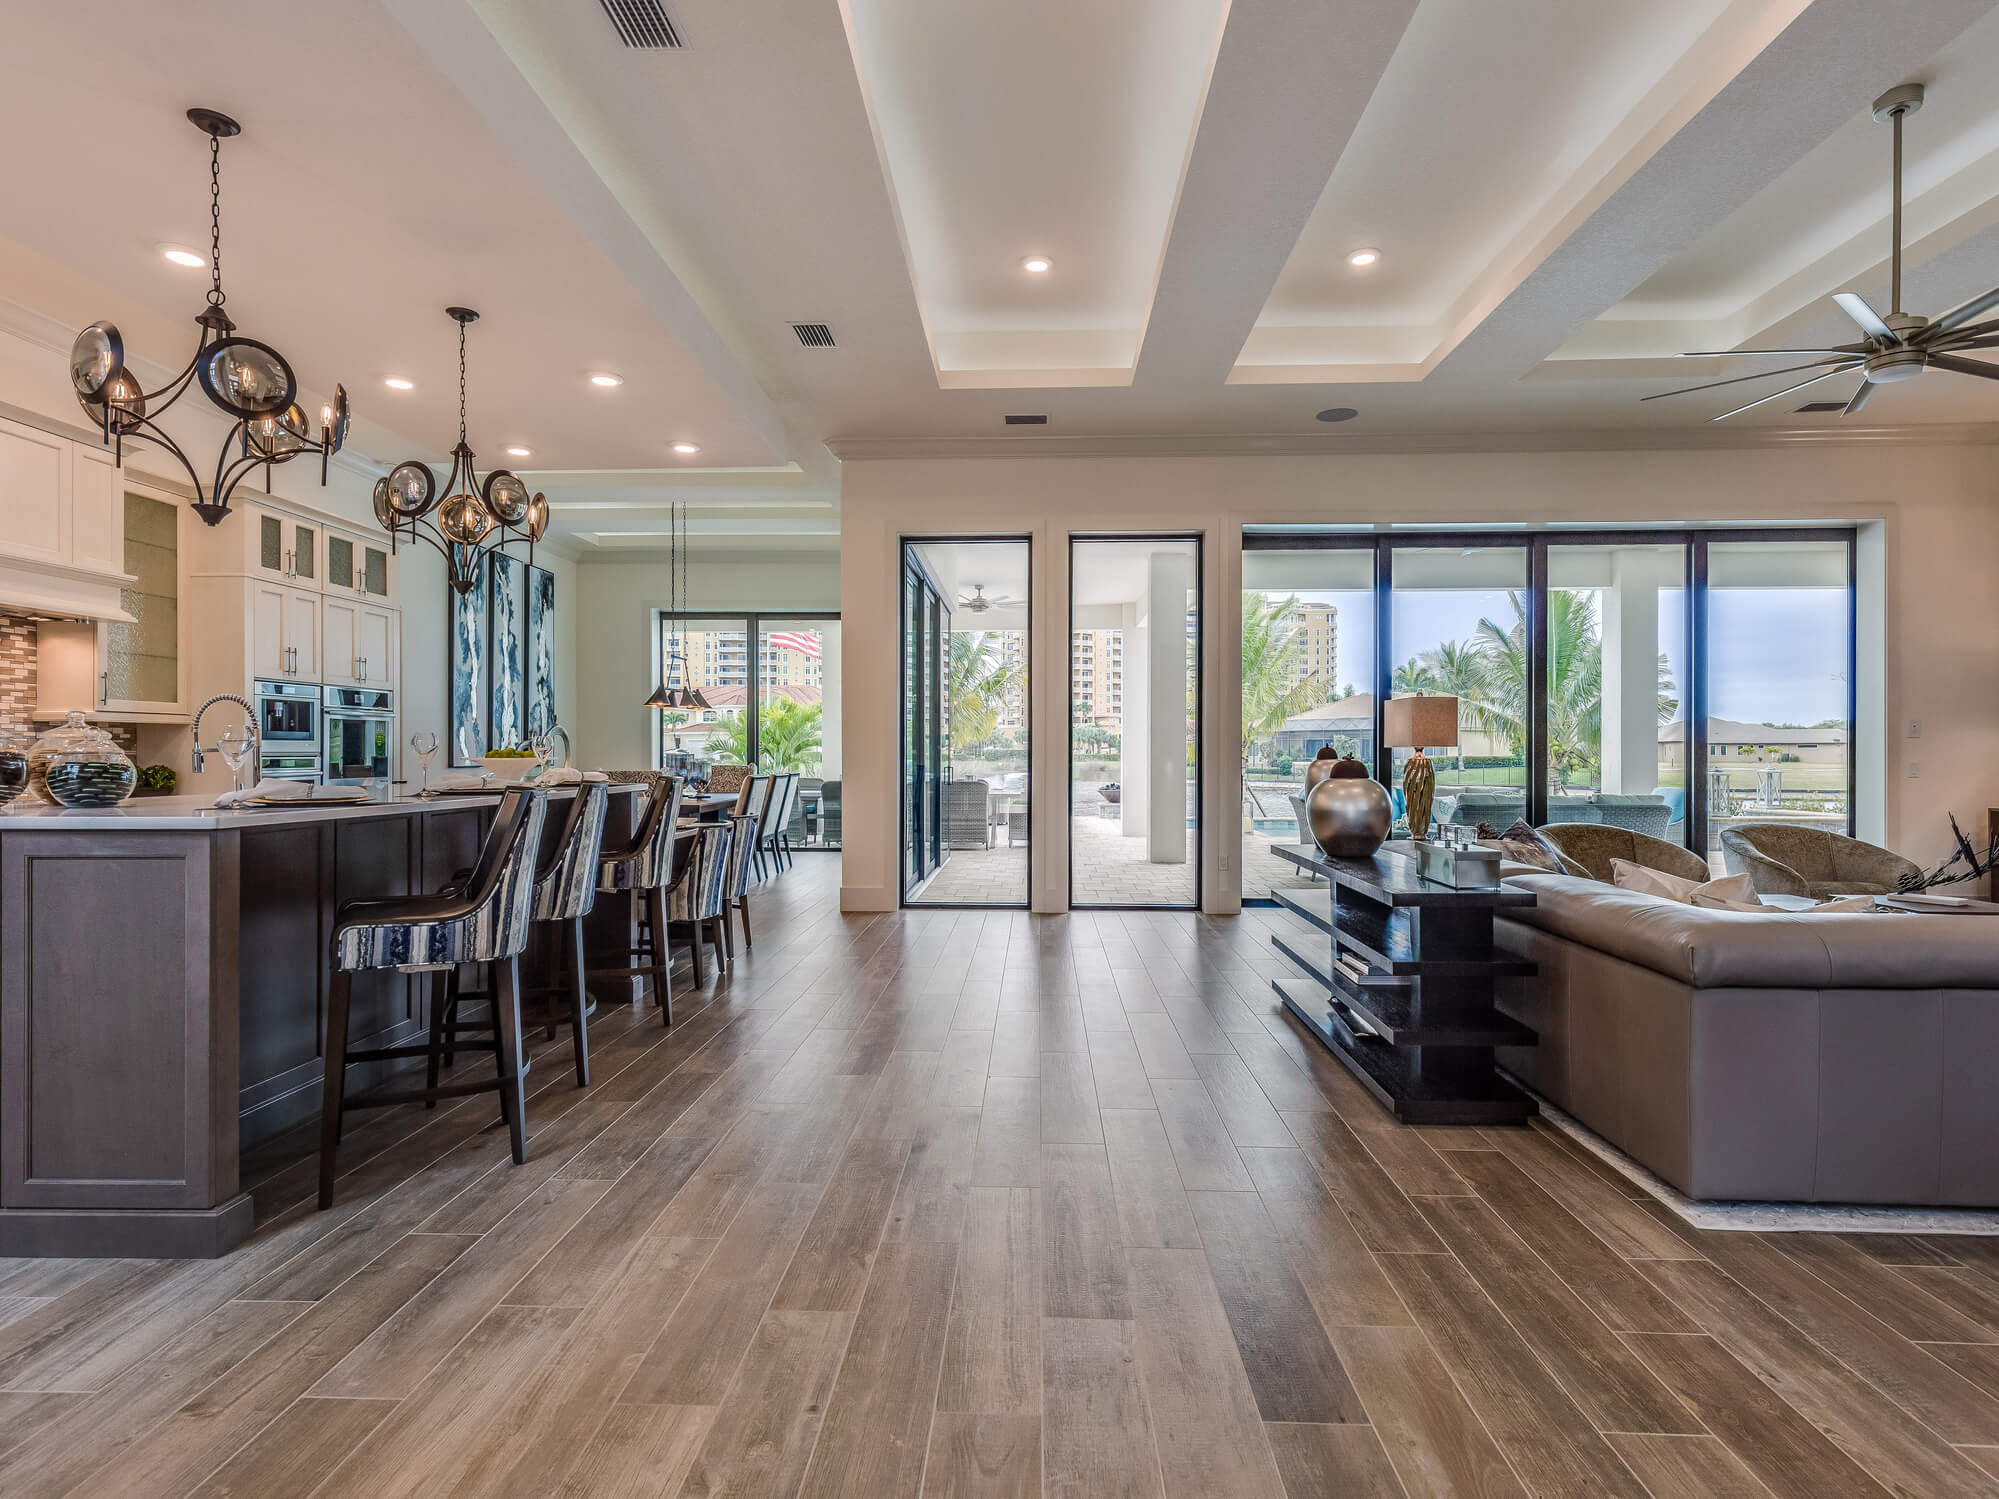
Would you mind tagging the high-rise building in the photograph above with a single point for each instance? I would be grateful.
(1316, 628)
(720, 657)
(1096, 676)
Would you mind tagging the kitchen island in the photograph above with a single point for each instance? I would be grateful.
(163, 988)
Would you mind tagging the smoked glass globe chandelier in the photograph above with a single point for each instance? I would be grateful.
(476, 517)
(249, 380)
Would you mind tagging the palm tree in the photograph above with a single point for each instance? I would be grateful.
(1272, 690)
(787, 736)
(1458, 670)
(1575, 679)
(1413, 679)
(978, 679)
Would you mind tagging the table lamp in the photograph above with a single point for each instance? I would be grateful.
(1412, 723)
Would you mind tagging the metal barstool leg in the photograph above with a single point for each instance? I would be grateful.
(439, 989)
(507, 1028)
(334, 1086)
(579, 1001)
(662, 952)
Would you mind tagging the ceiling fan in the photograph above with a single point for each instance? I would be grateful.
(978, 603)
(1899, 346)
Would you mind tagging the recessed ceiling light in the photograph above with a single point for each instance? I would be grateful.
(180, 256)
(397, 382)
(1360, 259)
(1037, 264)
(1338, 414)
(686, 447)
(520, 452)
(606, 380)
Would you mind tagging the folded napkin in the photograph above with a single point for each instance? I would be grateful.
(567, 775)
(464, 780)
(276, 791)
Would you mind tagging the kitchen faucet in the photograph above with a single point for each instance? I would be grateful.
(249, 718)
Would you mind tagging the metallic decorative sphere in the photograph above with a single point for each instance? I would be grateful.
(1349, 816)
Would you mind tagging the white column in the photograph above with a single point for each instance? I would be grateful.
(1630, 721)
(1134, 769)
(1169, 580)
(829, 699)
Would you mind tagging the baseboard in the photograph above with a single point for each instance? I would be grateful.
(867, 898)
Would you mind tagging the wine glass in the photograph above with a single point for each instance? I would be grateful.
(425, 742)
(544, 748)
(235, 745)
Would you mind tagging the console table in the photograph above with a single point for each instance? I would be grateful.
(1418, 1030)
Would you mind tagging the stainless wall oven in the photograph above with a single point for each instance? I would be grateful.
(360, 733)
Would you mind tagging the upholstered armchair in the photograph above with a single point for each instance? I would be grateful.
(1784, 860)
(1594, 844)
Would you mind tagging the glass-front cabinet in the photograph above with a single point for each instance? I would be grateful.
(357, 566)
(282, 546)
(141, 667)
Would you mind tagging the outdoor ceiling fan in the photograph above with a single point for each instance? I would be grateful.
(1899, 346)
(978, 603)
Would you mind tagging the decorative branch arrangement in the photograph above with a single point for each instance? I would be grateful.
(1973, 864)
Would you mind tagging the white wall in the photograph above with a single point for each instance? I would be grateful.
(618, 654)
(1928, 647)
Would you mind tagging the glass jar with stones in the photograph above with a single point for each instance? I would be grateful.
(74, 730)
(13, 769)
(93, 772)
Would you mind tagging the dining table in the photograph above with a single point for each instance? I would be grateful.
(709, 806)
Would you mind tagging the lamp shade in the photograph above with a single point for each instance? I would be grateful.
(661, 697)
(1420, 722)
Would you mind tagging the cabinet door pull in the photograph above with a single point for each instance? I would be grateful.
(103, 688)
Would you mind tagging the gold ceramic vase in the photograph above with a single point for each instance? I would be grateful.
(1419, 790)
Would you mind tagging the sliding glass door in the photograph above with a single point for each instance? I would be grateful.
(964, 722)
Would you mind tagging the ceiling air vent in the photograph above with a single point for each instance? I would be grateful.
(1823, 406)
(642, 23)
(813, 335)
(1034, 419)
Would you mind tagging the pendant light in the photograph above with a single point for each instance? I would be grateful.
(674, 691)
(251, 381)
(475, 517)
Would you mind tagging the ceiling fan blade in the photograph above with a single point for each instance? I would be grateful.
(1726, 353)
(1843, 359)
(1958, 366)
(1869, 320)
(1966, 312)
(1859, 398)
(1844, 369)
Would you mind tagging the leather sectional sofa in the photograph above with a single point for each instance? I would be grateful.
(1766, 1057)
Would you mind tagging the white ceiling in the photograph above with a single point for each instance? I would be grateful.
(1565, 193)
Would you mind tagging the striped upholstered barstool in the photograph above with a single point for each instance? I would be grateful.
(741, 865)
(697, 901)
(484, 920)
(641, 867)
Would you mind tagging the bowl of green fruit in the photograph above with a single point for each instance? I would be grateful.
(508, 764)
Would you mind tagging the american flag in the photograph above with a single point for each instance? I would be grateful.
(806, 643)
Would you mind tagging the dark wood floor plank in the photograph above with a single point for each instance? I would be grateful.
(901, 1100)
(1587, 1265)
(1438, 1447)
(1544, 1434)
(1601, 1208)
(638, 1450)
(1069, 1100)
(1853, 1413)
(930, 1201)
(1318, 1461)
(1964, 1290)
(1287, 1087)
(696, 1353)
(1207, 1160)
(1009, 1153)
(960, 1079)
(1159, 1045)
(1866, 1282)
(1688, 1467)
(830, 1269)
(1205, 1422)
(768, 1421)
(1387, 1221)
(992, 1354)
(1083, 1267)
(1338, 1272)
(874, 1439)
(1151, 1200)
(1245, 1109)
(290, 1456)
(1613, 1387)
(984, 1456)
(1292, 1369)
(1097, 1433)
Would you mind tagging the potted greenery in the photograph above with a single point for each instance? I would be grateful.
(157, 780)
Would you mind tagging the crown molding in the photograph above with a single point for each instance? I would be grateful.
(1314, 445)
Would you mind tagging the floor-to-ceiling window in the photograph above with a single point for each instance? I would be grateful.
(1134, 721)
(964, 722)
(1578, 659)
(772, 683)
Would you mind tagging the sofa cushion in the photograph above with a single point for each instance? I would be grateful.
(1521, 844)
(1734, 889)
(1765, 949)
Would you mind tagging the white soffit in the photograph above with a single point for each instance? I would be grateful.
(1493, 131)
(1040, 127)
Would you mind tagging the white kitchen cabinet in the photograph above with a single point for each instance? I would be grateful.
(357, 565)
(357, 643)
(284, 632)
(142, 665)
(376, 641)
(276, 545)
(97, 511)
(35, 477)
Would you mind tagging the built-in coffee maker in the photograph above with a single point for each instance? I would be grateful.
(360, 734)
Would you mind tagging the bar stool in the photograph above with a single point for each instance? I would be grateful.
(742, 860)
(565, 890)
(484, 921)
(697, 899)
(642, 867)
(770, 831)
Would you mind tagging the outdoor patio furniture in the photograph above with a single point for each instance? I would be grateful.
(1016, 824)
(1781, 859)
(1675, 798)
(1298, 811)
(966, 820)
(1641, 814)
(829, 815)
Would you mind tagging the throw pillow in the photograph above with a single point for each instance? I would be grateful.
(1523, 844)
(1729, 893)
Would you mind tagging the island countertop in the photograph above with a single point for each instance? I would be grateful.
(194, 814)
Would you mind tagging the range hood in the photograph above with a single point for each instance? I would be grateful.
(53, 590)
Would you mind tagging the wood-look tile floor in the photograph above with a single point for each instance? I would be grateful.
(980, 1204)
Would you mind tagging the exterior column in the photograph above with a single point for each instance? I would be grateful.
(1169, 579)
(1630, 720)
(1134, 764)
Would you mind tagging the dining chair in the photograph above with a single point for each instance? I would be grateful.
(770, 829)
(483, 920)
(697, 897)
(742, 864)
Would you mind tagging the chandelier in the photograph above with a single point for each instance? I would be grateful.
(249, 380)
(475, 517)
(674, 691)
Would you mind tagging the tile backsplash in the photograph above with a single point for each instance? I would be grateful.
(17, 686)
